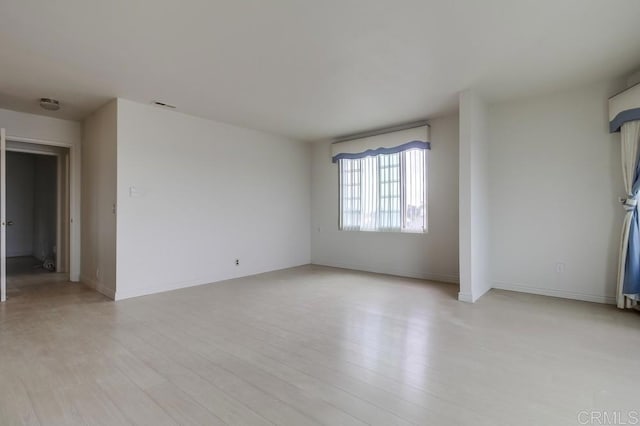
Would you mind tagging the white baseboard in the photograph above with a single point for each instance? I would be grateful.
(99, 287)
(465, 297)
(446, 278)
(128, 294)
(554, 293)
(145, 291)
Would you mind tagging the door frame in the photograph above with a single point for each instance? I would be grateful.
(3, 218)
(62, 198)
(72, 193)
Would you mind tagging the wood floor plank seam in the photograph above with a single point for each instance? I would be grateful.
(337, 387)
(242, 402)
(357, 396)
(187, 313)
(309, 346)
(204, 341)
(275, 377)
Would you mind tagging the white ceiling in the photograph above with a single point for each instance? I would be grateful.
(307, 69)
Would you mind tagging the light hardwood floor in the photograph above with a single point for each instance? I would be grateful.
(308, 346)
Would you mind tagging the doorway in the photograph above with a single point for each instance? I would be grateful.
(37, 200)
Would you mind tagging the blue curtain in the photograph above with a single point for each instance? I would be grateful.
(631, 285)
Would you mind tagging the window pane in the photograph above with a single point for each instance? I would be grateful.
(349, 193)
(389, 171)
(415, 190)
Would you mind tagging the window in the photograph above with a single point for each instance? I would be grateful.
(386, 192)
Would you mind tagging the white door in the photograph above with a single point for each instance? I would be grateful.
(3, 217)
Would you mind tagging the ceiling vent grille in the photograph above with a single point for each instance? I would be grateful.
(49, 104)
(163, 105)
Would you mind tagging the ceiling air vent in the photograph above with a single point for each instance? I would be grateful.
(163, 105)
(49, 104)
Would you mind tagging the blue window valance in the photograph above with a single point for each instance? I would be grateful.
(624, 107)
(387, 143)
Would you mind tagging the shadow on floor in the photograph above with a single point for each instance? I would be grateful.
(29, 282)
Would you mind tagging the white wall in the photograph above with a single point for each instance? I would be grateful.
(555, 178)
(99, 174)
(20, 126)
(433, 255)
(206, 193)
(20, 202)
(36, 128)
(474, 204)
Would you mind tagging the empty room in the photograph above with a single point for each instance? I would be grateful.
(319, 213)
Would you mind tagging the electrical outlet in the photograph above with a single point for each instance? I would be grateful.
(560, 267)
(237, 262)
